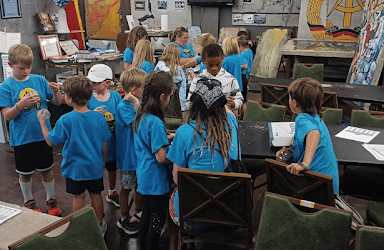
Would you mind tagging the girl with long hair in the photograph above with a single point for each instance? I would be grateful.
(136, 34)
(143, 57)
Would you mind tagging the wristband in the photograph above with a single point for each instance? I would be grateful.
(15, 106)
(305, 167)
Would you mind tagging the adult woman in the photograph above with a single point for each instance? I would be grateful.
(207, 142)
(180, 38)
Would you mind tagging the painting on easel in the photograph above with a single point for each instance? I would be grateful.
(330, 19)
(367, 63)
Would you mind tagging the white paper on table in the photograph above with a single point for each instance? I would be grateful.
(7, 213)
(377, 150)
(357, 134)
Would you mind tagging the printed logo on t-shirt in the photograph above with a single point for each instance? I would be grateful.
(26, 92)
(110, 120)
(188, 52)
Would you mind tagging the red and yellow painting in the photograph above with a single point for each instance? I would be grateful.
(103, 18)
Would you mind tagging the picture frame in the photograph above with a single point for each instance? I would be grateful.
(46, 21)
(130, 21)
(10, 9)
(49, 46)
(140, 5)
(69, 47)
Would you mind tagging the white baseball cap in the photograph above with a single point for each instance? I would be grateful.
(99, 73)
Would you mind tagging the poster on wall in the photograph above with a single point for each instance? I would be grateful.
(179, 5)
(367, 63)
(330, 19)
(103, 19)
(162, 4)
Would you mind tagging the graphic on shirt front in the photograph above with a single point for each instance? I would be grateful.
(26, 92)
(110, 121)
(188, 52)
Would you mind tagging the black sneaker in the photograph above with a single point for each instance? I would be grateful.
(128, 227)
(113, 198)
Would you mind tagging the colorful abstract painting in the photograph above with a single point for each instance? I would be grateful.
(103, 18)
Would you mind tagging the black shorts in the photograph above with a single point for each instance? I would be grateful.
(79, 187)
(32, 157)
(245, 87)
(110, 165)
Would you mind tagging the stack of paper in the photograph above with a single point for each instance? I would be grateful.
(377, 150)
(281, 133)
(7, 213)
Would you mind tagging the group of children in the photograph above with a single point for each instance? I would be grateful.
(129, 134)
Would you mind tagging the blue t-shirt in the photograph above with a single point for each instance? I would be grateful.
(153, 178)
(128, 55)
(109, 116)
(232, 64)
(83, 135)
(25, 127)
(146, 66)
(186, 51)
(184, 154)
(324, 161)
(125, 153)
(247, 57)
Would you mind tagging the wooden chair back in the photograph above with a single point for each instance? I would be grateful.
(330, 100)
(283, 226)
(83, 230)
(121, 41)
(214, 198)
(256, 112)
(309, 185)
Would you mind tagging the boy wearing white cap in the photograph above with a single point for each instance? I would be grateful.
(105, 101)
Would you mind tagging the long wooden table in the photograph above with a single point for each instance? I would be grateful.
(255, 143)
(344, 91)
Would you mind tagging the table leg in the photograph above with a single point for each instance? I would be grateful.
(289, 66)
(47, 72)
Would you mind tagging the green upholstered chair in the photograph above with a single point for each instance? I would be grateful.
(364, 181)
(83, 232)
(309, 185)
(222, 200)
(256, 112)
(369, 238)
(173, 115)
(332, 116)
(315, 71)
(284, 226)
(375, 214)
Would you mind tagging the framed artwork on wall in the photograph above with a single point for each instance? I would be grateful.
(10, 8)
(49, 46)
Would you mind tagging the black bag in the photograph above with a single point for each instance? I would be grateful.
(236, 166)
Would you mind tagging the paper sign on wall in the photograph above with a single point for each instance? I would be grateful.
(7, 40)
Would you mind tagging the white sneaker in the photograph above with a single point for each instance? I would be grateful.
(103, 227)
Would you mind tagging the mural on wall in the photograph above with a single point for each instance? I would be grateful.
(103, 18)
(334, 19)
(367, 63)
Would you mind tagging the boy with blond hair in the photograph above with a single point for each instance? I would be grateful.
(132, 81)
(84, 146)
(21, 96)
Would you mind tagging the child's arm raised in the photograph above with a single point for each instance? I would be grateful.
(312, 141)
(57, 96)
(41, 115)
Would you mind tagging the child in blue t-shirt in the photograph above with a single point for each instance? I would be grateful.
(232, 62)
(312, 146)
(84, 134)
(143, 57)
(136, 34)
(21, 96)
(105, 101)
(153, 174)
(132, 81)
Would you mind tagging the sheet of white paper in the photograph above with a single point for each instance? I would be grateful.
(357, 134)
(3, 43)
(377, 150)
(7, 213)
(12, 39)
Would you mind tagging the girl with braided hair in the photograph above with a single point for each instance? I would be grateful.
(207, 142)
(151, 143)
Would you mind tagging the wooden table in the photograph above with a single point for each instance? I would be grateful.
(255, 143)
(24, 224)
(350, 92)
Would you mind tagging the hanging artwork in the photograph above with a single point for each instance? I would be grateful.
(334, 19)
(103, 18)
(367, 63)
